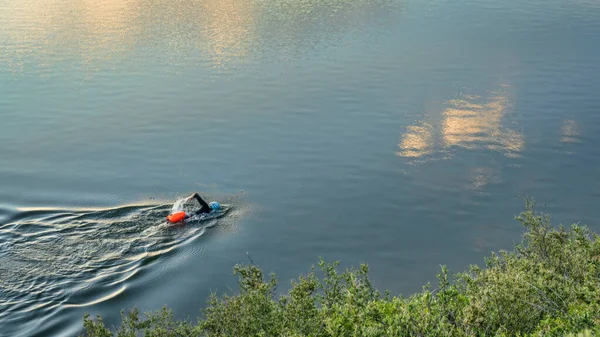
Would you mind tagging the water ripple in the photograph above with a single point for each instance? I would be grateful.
(54, 259)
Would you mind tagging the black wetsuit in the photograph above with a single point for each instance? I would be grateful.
(204, 208)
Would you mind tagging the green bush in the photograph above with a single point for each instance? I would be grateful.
(547, 286)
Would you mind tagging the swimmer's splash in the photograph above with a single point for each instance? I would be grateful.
(59, 259)
(202, 210)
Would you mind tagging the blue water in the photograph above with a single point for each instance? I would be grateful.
(402, 134)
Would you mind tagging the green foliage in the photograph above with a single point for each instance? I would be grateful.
(158, 324)
(548, 286)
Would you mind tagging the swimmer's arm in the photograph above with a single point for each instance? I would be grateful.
(205, 207)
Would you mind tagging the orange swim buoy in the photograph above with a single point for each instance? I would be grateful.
(176, 217)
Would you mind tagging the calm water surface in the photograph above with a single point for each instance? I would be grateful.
(395, 133)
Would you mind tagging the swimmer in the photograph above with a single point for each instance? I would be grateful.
(177, 216)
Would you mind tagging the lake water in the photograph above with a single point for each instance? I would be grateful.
(402, 134)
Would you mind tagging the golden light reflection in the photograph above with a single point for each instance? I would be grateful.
(60, 30)
(417, 141)
(482, 177)
(569, 132)
(222, 32)
(108, 22)
(229, 27)
(470, 122)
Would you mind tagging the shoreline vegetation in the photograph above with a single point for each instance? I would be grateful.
(548, 285)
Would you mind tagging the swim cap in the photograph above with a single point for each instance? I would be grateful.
(214, 205)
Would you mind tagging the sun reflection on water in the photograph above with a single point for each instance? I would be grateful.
(417, 141)
(470, 122)
(570, 132)
(217, 33)
(55, 31)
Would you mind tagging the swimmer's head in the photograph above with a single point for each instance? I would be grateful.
(214, 205)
